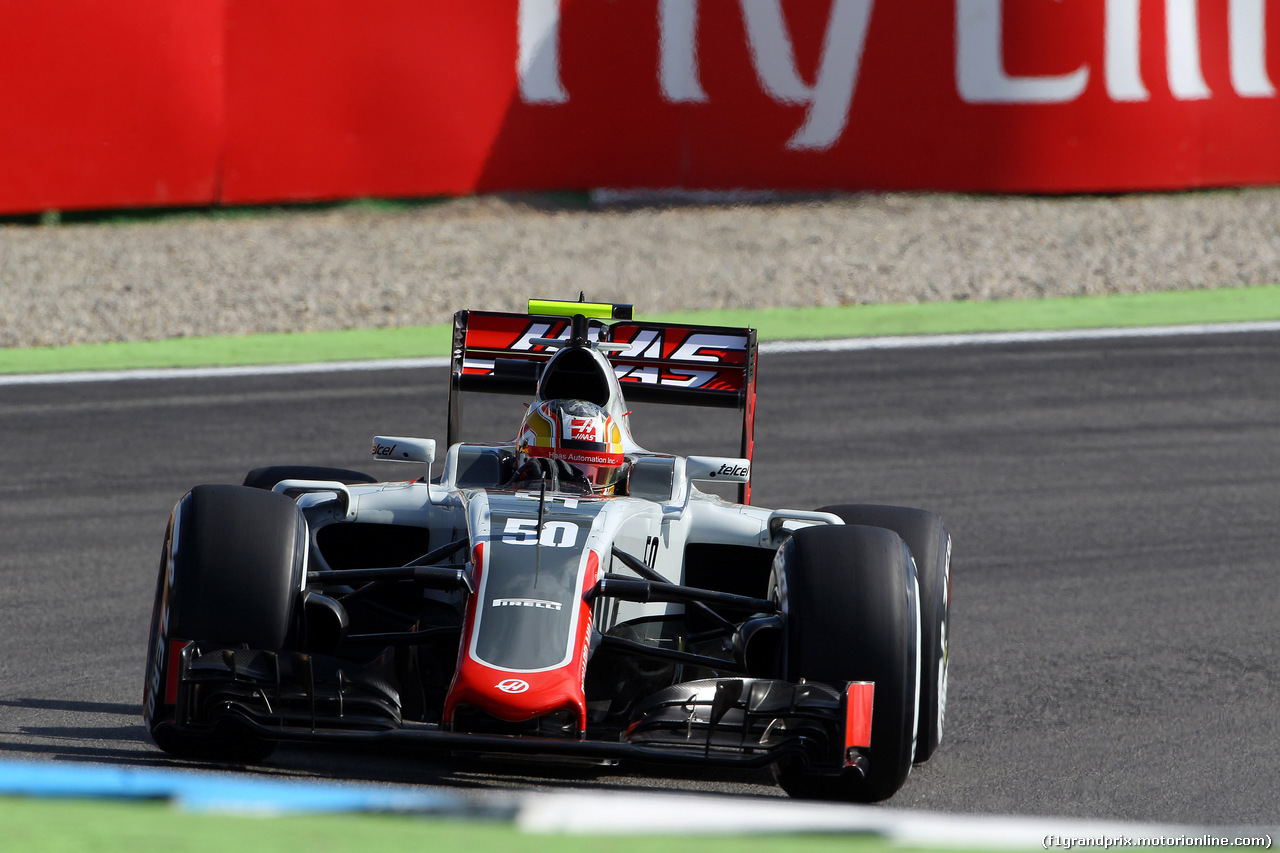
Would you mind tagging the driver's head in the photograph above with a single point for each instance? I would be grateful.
(580, 433)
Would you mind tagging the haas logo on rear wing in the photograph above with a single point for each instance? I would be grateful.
(502, 349)
(672, 363)
(682, 357)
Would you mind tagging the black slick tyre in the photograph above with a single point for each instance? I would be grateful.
(851, 612)
(230, 572)
(930, 545)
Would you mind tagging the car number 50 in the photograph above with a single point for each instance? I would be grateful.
(555, 534)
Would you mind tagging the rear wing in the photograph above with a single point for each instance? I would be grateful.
(673, 363)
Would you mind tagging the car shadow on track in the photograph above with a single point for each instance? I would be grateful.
(73, 730)
(481, 773)
(73, 706)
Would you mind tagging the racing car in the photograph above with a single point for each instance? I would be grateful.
(563, 592)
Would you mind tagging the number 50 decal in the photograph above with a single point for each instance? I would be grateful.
(555, 534)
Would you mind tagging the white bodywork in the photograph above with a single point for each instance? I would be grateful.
(655, 528)
(631, 524)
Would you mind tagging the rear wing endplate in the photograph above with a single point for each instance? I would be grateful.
(672, 363)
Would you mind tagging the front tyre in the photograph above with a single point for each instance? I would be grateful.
(230, 572)
(851, 609)
(930, 545)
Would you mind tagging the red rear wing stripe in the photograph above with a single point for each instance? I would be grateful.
(673, 358)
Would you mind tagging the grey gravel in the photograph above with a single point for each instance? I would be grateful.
(361, 266)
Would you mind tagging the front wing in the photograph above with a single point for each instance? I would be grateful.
(732, 722)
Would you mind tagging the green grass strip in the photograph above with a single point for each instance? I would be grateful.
(1083, 312)
(130, 826)
(284, 348)
(1173, 308)
(72, 826)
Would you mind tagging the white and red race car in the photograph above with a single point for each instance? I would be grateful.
(564, 592)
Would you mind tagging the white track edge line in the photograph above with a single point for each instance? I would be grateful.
(650, 813)
(970, 339)
(887, 342)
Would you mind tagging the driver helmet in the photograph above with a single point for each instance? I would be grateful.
(580, 433)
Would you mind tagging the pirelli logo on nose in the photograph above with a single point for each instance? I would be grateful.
(540, 603)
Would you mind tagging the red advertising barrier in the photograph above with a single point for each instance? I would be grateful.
(110, 103)
(113, 103)
(348, 98)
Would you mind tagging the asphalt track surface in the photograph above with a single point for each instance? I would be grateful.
(1114, 506)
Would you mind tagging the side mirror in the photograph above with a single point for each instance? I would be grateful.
(724, 469)
(402, 449)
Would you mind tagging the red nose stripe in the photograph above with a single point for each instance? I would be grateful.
(518, 696)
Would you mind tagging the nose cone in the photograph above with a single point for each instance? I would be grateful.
(501, 670)
(517, 697)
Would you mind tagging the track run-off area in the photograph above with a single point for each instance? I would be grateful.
(1113, 503)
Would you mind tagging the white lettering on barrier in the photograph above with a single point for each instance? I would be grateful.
(678, 52)
(1182, 49)
(1124, 76)
(979, 66)
(769, 41)
(773, 58)
(539, 58)
(1248, 26)
(1248, 50)
(831, 95)
(980, 74)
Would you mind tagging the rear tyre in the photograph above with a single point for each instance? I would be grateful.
(930, 545)
(851, 608)
(266, 478)
(230, 573)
